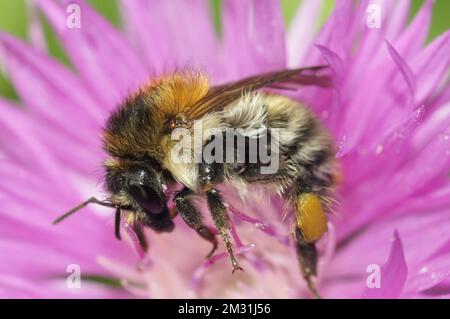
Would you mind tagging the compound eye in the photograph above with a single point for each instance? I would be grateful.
(146, 197)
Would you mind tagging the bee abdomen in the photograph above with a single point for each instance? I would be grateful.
(305, 149)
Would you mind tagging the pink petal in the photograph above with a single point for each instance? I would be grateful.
(253, 37)
(393, 274)
(167, 38)
(405, 70)
(397, 19)
(99, 52)
(431, 66)
(413, 38)
(303, 31)
(430, 274)
(42, 82)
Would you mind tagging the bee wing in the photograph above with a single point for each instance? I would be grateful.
(220, 96)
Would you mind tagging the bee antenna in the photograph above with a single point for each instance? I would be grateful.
(91, 200)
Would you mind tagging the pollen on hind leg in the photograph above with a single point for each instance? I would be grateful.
(310, 217)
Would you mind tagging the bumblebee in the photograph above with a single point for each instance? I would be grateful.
(141, 168)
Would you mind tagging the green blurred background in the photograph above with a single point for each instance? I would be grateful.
(14, 19)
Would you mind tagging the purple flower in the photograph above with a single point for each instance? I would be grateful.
(389, 114)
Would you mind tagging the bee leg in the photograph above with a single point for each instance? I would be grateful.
(220, 217)
(193, 218)
(307, 255)
(311, 224)
(207, 234)
(209, 175)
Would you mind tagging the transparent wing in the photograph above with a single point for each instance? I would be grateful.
(220, 96)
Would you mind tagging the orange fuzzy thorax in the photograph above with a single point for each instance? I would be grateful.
(155, 105)
(175, 93)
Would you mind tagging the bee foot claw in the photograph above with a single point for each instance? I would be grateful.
(237, 267)
(312, 288)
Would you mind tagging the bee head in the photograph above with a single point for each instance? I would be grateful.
(139, 187)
